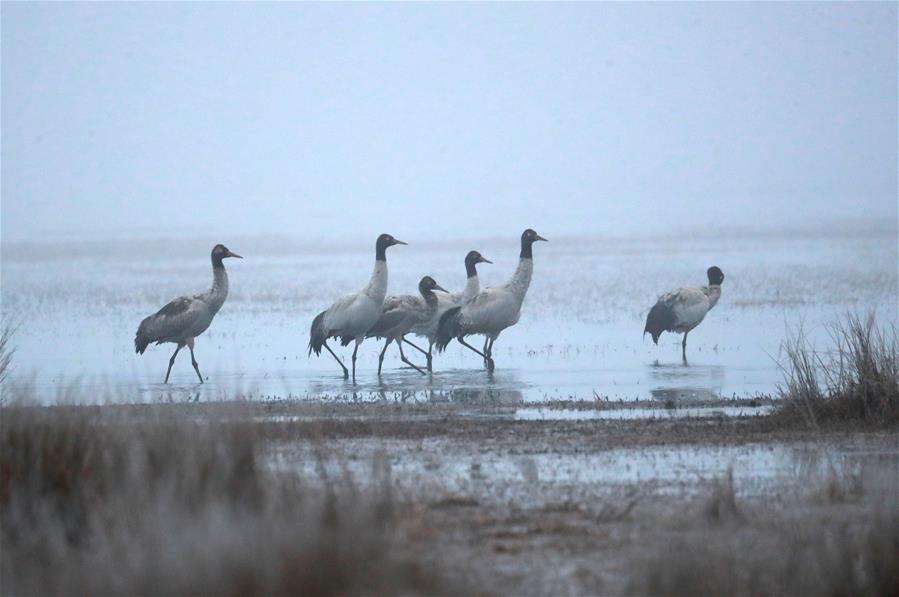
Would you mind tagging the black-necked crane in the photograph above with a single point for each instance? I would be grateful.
(401, 314)
(187, 317)
(351, 316)
(493, 309)
(683, 309)
(428, 329)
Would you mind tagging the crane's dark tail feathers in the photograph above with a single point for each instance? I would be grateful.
(141, 339)
(660, 319)
(448, 328)
(317, 334)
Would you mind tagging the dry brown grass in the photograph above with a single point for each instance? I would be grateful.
(858, 379)
(790, 549)
(99, 503)
(6, 350)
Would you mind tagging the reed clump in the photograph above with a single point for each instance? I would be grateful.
(791, 549)
(99, 503)
(857, 379)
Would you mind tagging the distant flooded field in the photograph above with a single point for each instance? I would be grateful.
(78, 304)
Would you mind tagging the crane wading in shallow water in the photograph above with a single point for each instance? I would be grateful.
(187, 317)
(351, 316)
(401, 314)
(492, 310)
(428, 329)
(683, 309)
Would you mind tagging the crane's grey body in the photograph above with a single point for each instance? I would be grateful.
(401, 314)
(683, 309)
(186, 317)
(351, 316)
(492, 310)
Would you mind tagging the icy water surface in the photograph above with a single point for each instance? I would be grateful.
(758, 469)
(78, 304)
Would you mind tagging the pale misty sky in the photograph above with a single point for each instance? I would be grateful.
(443, 120)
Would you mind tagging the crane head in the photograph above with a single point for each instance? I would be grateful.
(219, 252)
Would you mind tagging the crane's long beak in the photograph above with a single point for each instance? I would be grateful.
(541, 238)
(440, 288)
(399, 242)
(232, 254)
(485, 260)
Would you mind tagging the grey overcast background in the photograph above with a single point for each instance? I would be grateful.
(443, 120)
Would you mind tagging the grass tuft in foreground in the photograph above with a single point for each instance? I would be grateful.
(94, 503)
(857, 380)
(777, 550)
(6, 350)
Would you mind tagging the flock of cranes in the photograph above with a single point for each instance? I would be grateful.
(434, 313)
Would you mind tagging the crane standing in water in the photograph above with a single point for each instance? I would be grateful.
(493, 309)
(187, 317)
(446, 301)
(401, 314)
(683, 309)
(351, 316)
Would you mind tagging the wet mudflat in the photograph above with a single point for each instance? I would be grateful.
(502, 504)
(580, 506)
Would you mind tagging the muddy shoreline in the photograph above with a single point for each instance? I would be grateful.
(483, 503)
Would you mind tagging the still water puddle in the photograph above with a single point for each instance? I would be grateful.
(563, 414)
(679, 469)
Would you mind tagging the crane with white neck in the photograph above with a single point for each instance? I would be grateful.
(350, 317)
(492, 310)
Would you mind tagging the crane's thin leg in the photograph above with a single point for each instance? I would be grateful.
(430, 358)
(355, 350)
(470, 347)
(172, 362)
(193, 361)
(684, 347)
(381, 356)
(407, 361)
(490, 365)
(486, 342)
(346, 373)
(415, 346)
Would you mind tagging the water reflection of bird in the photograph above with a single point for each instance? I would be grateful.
(187, 317)
(351, 316)
(683, 309)
(428, 329)
(401, 313)
(492, 310)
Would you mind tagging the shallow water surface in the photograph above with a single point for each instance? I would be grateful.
(579, 337)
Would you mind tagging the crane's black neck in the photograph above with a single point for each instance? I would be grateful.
(527, 249)
(429, 296)
(381, 251)
(471, 268)
(217, 262)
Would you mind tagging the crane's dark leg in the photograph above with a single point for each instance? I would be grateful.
(490, 365)
(430, 358)
(193, 361)
(355, 350)
(486, 342)
(684, 347)
(381, 356)
(470, 347)
(172, 362)
(407, 361)
(427, 352)
(415, 346)
(346, 373)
